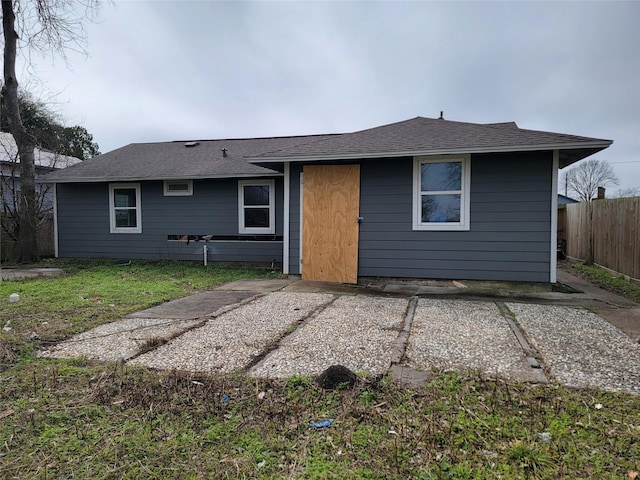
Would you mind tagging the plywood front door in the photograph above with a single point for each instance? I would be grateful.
(331, 205)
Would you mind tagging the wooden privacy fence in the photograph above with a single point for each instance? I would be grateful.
(606, 232)
(46, 245)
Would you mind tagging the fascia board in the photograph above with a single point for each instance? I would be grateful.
(411, 153)
(142, 179)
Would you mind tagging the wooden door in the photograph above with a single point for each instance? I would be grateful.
(331, 205)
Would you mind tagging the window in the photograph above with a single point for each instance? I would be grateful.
(441, 193)
(256, 206)
(124, 207)
(178, 187)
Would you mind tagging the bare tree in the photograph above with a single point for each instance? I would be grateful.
(628, 192)
(46, 26)
(584, 179)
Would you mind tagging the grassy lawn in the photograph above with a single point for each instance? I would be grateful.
(81, 419)
(93, 292)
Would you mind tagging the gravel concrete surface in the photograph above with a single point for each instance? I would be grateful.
(235, 339)
(119, 340)
(355, 331)
(124, 339)
(289, 332)
(579, 348)
(458, 335)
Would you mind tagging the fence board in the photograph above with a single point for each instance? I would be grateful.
(606, 231)
(46, 243)
(562, 222)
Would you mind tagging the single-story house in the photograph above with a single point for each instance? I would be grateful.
(564, 200)
(421, 198)
(45, 162)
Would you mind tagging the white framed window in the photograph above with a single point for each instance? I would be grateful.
(256, 206)
(178, 187)
(441, 194)
(124, 208)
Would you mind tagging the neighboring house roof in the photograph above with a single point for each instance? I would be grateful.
(428, 136)
(252, 156)
(180, 160)
(564, 200)
(43, 158)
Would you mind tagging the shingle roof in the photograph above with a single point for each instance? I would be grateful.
(253, 156)
(176, 160)
(432, 136)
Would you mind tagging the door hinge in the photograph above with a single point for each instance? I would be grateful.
(301, 261)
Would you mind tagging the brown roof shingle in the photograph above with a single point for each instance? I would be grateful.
(175, 160)
(253, 156)
(431, 136)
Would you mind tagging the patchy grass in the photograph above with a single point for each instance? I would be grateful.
(607, 281)
(74, 419)
(81, 419)
(93, 292)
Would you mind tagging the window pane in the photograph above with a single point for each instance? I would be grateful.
(256, 217)
(256, 194)
(440, 208)
(124, 197)
(126, 218)
(440, 176)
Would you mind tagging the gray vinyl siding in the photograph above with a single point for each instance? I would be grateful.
(83, 224)
(510, 222)
(294, 219)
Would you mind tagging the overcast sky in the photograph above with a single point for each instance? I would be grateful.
(176, 70)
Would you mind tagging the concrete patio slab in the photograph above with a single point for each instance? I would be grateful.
(22, 273)
(579, 348)
(194, 306)
(302, 329)
(121, 340)
(408, 377)
(459, 335)
(257, 285)
(307, 286)
(235, 339)
(355, 331)
(615, 309)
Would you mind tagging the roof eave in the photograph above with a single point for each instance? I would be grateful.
(140, 179)
(597, 146)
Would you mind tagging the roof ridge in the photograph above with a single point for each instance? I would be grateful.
(227, 139)
(568, 135)
(436, 120)
(274, 137)
(306, 143)
(502, 124)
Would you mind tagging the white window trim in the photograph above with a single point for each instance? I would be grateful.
(300, 253)
(554, 218)
(287, 213)
(112, 209)
(178, 193)
(272, 211)
(465, 195)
